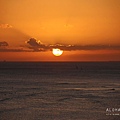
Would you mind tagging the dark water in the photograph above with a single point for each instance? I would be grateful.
(59, 90)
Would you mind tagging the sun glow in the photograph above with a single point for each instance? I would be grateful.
(57, 52)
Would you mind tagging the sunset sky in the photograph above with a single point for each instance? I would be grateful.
(86, 30)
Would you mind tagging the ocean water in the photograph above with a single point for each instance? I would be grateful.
(59, 90)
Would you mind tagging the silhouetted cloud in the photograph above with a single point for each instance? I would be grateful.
(88, 47)
(33, 42)
(4, 26)
(4, 47)
(3, 43)
(15, 50)
(34, 45)
(38, 46)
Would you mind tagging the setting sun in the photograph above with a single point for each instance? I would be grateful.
(85, 30)
(57, 52)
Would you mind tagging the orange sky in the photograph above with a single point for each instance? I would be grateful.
(90, 27)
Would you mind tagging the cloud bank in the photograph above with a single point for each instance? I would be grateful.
(34, 45)
(38, 46)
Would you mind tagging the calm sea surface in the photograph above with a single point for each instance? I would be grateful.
(59, 90)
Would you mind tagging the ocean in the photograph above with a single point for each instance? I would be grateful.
(59, 90)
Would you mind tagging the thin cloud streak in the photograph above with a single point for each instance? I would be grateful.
(14, 50)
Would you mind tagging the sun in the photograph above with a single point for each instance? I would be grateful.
(57, 52)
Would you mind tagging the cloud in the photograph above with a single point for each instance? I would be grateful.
(11, 49)
(5, 26)
(34, 45)
(33, 42)
(89, 47)
(3, 44)
(14, 50)
(39, 46)
(4, 47)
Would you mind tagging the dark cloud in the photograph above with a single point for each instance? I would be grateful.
(33, 42)
(89, 47)
(34, 45)
(3, 43)
(38, 46)
(4, 47)
(14, 50)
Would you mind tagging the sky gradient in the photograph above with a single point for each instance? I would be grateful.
(86, 30)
